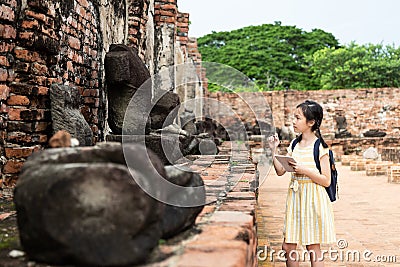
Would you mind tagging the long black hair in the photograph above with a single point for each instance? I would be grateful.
(313, 111)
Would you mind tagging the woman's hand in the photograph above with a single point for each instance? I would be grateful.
(298, 168)
(273, 142)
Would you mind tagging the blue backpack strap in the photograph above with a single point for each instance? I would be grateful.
(294, 143)
(316, 154)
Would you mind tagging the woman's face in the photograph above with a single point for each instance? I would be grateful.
(300, 123)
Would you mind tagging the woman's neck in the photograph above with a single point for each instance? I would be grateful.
(308, 137)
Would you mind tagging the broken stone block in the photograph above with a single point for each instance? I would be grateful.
(81, 206)
(179, 218)
(165, 110)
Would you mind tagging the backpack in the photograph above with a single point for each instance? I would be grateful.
(333, 188)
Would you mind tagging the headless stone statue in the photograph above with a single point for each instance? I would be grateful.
(341, 125)
(125, 73)
(66, 115)
(188, 119)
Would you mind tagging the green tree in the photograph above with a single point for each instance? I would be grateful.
(356, 66)
(273, 56)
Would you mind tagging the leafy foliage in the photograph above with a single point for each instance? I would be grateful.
(271, 55)
(356, 66)
(274, 57)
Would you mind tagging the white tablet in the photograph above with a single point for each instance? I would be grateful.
(284, 160)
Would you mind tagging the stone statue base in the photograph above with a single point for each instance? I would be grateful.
(168, 147)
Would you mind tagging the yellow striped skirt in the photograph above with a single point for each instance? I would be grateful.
(309, 214)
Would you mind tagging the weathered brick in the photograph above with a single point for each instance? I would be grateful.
(86, 92)
(133, 31)
(7, 13)
(24, 138)
(28, 127)
(3, 122)
(83, 3)
(11, 3)
(28, 89)
(4, 91)
(44, 6)
(20, 152)
(7, 31)
(40, 102)
(40, 138)
(3, 108)
(30, 24)
(94, 83)
(164, 19)
(70, 66)
(17, 114)
(4, 61)
(3, 74)
(6, 47)
(82, 12)
(13, 166)
(50, 32)
(26, 55)
(22, 66)
(39, 69)
(93, 53)
(40, 80)
(18, 100)
(89, 100)
(50, 82)
(14, 114)
(233, 218)
(15, 137)
(165, 13)
(39, 16)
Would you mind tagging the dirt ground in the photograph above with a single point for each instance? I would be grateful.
(9, 239)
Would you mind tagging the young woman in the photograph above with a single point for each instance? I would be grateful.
(309, 217)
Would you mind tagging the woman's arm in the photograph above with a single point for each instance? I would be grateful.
(273, 142)
(278, 166)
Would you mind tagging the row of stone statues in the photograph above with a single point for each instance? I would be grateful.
(91, 205)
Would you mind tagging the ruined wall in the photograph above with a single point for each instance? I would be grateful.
(190, 77)
(364, 109)
(46, 42)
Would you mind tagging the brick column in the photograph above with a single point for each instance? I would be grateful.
(182, 30)
(165, 17)
(9, 163)
(137, 21)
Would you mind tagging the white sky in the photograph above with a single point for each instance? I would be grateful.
(362, 21)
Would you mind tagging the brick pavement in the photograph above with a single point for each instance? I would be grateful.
(367, 217)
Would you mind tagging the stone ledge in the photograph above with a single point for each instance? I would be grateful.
(225, 233)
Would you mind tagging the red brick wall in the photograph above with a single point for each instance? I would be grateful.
(42, 43)
(45, 42)
(137, 20)
(361, 107)
(165, 12)
(182, 31)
